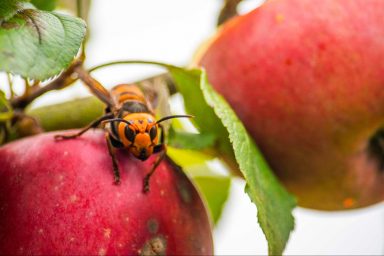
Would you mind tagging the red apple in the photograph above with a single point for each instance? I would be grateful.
(59, 198)
(307, 79)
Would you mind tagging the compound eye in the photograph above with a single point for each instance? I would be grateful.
(130, 134)
(153, 132)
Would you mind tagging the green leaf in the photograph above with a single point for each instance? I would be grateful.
(6, 112)
(274, 203)
(188, 157)
(188, 140)
(187, 84)
(205, 118)
(39, 44)
(45, 5)
(214, 188)
(8, 8)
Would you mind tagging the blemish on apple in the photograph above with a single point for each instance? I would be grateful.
(155, 246)
(152, 225)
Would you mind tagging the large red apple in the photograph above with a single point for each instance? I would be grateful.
(307, 79)
(59, 198)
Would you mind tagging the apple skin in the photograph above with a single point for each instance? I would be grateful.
(307, 80)
(58, 197)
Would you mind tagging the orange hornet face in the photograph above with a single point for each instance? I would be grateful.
(140, 136)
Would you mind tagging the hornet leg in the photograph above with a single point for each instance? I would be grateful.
(94, 124)
(162, 153)
(160, 157)
(112, 153)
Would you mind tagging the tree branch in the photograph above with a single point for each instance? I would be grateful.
(63, 80)
(228, 11)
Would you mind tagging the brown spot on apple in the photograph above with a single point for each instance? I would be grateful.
(184, 192)
(155, 246)
(153, 226)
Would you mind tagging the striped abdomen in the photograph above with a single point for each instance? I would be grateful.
(130, 99)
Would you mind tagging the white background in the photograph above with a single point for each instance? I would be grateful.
(171, 31)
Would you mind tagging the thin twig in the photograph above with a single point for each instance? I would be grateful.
(10, 84)
(63, 80)
(27, 87)
(165, 76)
(79, 10)
(120, 62)
(35, 85)
(70, 75)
